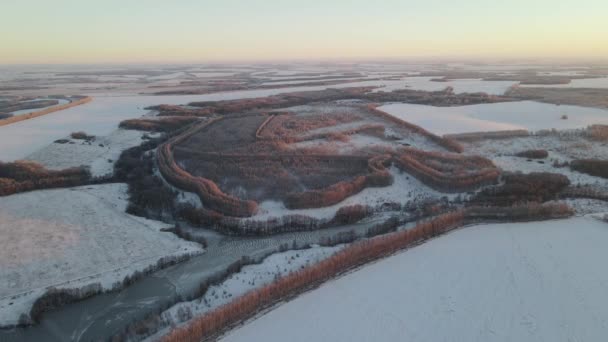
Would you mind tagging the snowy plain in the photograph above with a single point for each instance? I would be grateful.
(99, 156)
(541, 281)
(529, 115)
(70, 238)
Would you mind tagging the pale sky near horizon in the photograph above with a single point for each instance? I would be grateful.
(96, 31)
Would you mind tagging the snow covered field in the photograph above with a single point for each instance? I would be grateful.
(100, 155)
(69, 238)
(541, 281)
(528, 115)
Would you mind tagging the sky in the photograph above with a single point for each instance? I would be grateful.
(132, 31)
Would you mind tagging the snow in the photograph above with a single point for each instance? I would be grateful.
(100, 155)
(70, 238)
(405, 188)
(541, 281)
(249, 278)
(527, 115)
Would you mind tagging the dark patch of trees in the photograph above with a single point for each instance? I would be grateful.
(148, 195)
(385, 227)
(351, 214)
(447, 172)
(594, 167)
(82, 136)
(520, 188)
(533, 154)
(21, 176)
(167, 124)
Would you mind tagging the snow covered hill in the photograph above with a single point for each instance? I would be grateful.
(541, 281)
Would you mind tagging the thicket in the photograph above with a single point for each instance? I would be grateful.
(172, 110)
(148, 195)
(488, 135)
(201, 217)
(209, 193)
(167, 124)
(378, 177)
(80, 135)
(530, 211)
(520, 188)
(351, 214)
(21, 176)
(447, 172)
(586, 191)
(286, 127)
(594, 167)
(533, 154)
(598, 132)
(442, 98)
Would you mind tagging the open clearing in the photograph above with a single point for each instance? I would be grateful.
(541, 281)
(71, 238)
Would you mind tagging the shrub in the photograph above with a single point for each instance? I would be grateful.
(594, 167)
(148, 195)
(519, 188)
(351, 214)
(447, 172)
(167, 124)
(82, 136)
(598, 132)
(21, 176)
(533, 154)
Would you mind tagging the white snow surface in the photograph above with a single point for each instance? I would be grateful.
(529, 115)
(70, 238)
(99, 155)
(541, 281)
